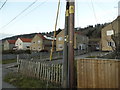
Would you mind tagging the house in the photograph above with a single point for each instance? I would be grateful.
(80, 41)
(40, 43)
(9, 44)
(107, 43)
(23, 44)
(1, 45)
(94, 44)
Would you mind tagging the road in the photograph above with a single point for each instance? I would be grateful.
(3, 72)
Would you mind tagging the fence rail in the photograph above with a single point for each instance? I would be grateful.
(41, 70)
(98, 73)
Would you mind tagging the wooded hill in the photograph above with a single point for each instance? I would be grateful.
(90, 31)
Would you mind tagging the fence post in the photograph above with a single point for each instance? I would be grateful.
(18, 63)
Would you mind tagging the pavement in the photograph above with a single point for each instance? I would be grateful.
(3, 71)
(97, 53)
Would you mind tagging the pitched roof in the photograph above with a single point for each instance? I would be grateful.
(78, 32)
(11, 41)
(26, 39)
(41, 36)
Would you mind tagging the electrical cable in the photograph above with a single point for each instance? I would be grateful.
(32, 10)
(3, 5)
(94, 11)
(77, 12)
(19, 14)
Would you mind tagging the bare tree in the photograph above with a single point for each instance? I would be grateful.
(116, 39)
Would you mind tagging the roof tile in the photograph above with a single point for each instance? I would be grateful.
(11, 41)
(26, 39)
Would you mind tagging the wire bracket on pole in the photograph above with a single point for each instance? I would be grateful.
(66, 39)
(67, 13)
(71, 9)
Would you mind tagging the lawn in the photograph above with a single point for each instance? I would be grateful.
(8, 61)
(21, 81)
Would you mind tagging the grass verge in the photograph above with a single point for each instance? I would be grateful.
(92, 57)
(20, 81)
(8, 61)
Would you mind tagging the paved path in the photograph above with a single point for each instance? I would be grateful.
(97, 53)
(3, 72)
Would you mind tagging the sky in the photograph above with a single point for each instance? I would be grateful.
(41, 16)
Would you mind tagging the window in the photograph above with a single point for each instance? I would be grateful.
(60, 46)
(39, 48)
(27, 46)
(110, 44)
(39, 41)
(110, 32)
(60, 38)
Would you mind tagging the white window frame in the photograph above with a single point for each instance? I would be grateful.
(60, 46)
(109, 32)
(60, 38)
(39, 41)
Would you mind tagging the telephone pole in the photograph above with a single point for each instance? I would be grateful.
(65, 51)
(71, 44)
(68, 64)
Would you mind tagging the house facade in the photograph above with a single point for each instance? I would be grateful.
(9, 44)
(80, 41)
(23, 44)
(107, 43)
(39, 43)
(94, 44)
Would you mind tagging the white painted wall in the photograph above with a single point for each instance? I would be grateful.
(22, 45)
(19, 44)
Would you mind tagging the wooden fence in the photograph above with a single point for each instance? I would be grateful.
(98, 73)
(41, 70)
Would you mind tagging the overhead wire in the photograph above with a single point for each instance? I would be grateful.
(32, 10)
(19, 14)
(3, 5)
(94, 11)
(36, 7)
(77, 12)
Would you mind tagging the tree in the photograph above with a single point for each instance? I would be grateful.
(116, 39)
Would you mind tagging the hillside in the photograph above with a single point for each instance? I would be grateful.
(90, 31)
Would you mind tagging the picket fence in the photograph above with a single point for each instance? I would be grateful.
(41, 70)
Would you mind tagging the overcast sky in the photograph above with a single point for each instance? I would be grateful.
(41, 16)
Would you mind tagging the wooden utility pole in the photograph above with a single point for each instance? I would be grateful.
(65, 51)
(71, 44)
(68, 65)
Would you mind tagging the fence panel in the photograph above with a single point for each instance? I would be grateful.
(41, 70)
(96, 73)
